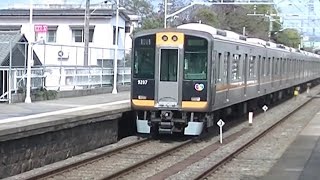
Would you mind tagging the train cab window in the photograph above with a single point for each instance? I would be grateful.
(195, 58)
(144, 57)
(169, 65)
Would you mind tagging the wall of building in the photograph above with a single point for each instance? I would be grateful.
(102, 46)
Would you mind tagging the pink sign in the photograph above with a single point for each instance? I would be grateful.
(40, 28)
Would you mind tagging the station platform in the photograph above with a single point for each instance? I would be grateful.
(21, 111)
(43, 132)
(301, 160)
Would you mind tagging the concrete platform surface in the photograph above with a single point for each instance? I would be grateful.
(301, 161)
(19, 111)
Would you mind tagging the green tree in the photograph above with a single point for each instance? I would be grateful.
(143, 8)
(206, 15)
(228, 17)
(288, 37)
(235, 18)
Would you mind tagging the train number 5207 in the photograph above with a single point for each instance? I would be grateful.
(142, 82)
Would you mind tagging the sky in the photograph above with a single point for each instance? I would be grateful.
(297, 7)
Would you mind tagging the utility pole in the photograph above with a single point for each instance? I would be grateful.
(30, 57)
(115, 61)
(86, 33)
(165, 13)
(270, 24)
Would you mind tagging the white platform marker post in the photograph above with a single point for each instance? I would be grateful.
(250, 118)
(308, 88)
(220, 123)
(265, 108)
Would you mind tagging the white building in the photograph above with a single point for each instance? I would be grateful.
(66, 32)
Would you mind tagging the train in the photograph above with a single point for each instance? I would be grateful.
(184, 79)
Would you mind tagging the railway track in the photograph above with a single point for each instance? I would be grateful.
(128, 160)
(207, 173)
(114, 163)
(61, 169)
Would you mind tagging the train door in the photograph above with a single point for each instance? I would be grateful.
(168, 81)
(259, 73)
(245, 74)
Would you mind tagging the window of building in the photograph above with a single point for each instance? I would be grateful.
(114, 34)
(78, 35)
(10, 28)
(51, 36)
(127, 29)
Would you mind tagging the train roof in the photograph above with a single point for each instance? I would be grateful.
(215, 33)
(232, 36)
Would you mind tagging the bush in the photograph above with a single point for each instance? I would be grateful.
(44, 94)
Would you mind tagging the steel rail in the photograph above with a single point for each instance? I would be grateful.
(66, 167)
(228, 158)
(146, 161)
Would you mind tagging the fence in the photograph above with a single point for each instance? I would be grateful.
(64, 72)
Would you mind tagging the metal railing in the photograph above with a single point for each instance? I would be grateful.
(64, 72)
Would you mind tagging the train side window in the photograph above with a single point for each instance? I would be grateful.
(289, 66)
(284, 66)
(226, 62)
(281, 66)
(252, 63)
(292, 66)
(235, 71)
(263, 64)
(301, 68)
(276, 69)
(273, 65)
(268, 66)
(218, 69)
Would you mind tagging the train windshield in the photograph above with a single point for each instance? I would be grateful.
(144, 57)
(195, 58)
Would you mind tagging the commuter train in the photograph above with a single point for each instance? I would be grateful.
(184, 79)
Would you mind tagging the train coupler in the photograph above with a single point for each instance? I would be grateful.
(166, 127)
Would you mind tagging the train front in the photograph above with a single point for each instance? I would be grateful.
(169, 87)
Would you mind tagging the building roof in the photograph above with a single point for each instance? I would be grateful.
(16, 39)
(5, 39)
(72, 12)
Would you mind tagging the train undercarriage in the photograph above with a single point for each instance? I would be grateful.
(170, 122)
